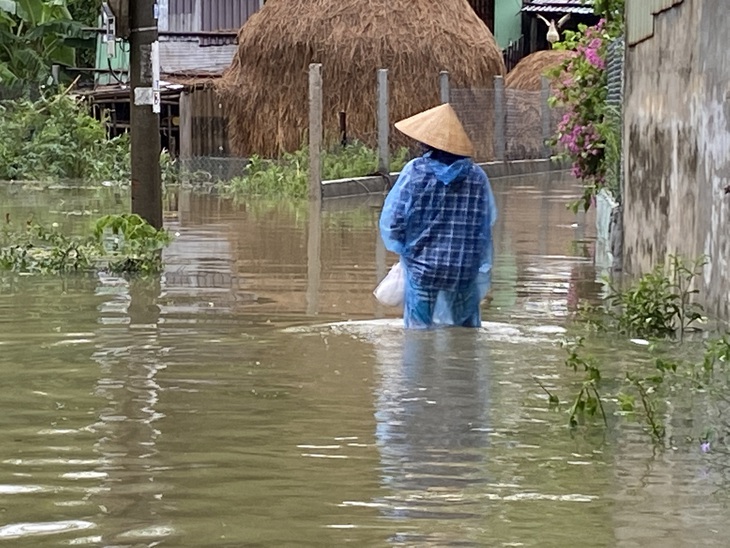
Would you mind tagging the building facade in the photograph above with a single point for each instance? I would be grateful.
(677, 141)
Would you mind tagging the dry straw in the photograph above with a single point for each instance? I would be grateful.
(266, 86)
(527, 74)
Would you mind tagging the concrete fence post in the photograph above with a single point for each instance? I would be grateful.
(384, 169)
(546, 115)
(314, 236)
(444, 90)
(383, 123)
(315, 132)
(500, 119)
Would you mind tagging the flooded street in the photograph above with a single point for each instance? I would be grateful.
(212, 407)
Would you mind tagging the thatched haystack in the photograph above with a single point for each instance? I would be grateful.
(527, 74)
(266, 86)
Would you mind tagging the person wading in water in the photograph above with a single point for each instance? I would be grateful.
(439, 217)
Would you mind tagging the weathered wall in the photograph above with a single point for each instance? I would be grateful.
(677, 146)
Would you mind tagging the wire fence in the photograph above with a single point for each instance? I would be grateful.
(504, 124)
(507, 124)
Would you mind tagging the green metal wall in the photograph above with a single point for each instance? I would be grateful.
(507, 21)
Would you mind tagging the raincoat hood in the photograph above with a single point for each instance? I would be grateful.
(448, 167)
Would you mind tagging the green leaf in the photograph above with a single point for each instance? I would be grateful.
(9, 6)
(594, 374)
(31, 11)
(63, 55)
(626, 402)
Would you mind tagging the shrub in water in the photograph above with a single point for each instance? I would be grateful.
(56, 138)
(121, 244)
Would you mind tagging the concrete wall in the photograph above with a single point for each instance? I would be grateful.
(361, 186)
(677, 146)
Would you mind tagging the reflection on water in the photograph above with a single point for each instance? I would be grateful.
(240, 401)
(432, 426)
(431, 418)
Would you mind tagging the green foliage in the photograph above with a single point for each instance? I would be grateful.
(131, 243)
(611, 130)
(611, 10)
(34, 35)
(121, 244)
(717, 354)
(288, 176)
(659, 303)
(650, 382)
(39, 250)
(56, 138)
(588, 400)
(648, 389)
(87, 13)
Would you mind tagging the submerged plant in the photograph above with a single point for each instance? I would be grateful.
(40, 250)
(717, 354)
(121, 244)
(588, 400)
(134, 245)
(658, 304)
(647, 387)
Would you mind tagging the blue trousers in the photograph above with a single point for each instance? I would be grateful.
(426, 308)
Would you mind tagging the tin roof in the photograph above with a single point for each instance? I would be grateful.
(559, 6)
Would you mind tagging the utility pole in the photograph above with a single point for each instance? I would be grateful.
(144, 105)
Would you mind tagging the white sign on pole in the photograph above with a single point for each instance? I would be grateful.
(156, 77)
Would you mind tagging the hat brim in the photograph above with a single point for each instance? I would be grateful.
(439, 128)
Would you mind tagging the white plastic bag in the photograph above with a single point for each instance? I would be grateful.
(391, 290)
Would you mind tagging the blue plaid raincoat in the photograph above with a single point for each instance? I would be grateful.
(439, 217)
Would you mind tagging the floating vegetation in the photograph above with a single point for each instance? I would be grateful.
(120, 244)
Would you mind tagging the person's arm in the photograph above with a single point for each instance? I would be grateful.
(484, 278)
(394, 216)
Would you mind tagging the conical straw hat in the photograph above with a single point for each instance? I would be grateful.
(440, 128)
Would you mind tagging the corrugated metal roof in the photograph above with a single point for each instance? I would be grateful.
(557, 9)
(183, 57)
(196, 54)
(179, 16)
(558, 6)
(195, 16)
(557, 3)
(640, 18)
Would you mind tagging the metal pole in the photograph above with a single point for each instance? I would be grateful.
(500, 119)
(545, 110)
(145, 123)
(314, 237)
(383, 124)
(444, 86)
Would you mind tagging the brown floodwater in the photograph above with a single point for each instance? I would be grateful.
(252, 396)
